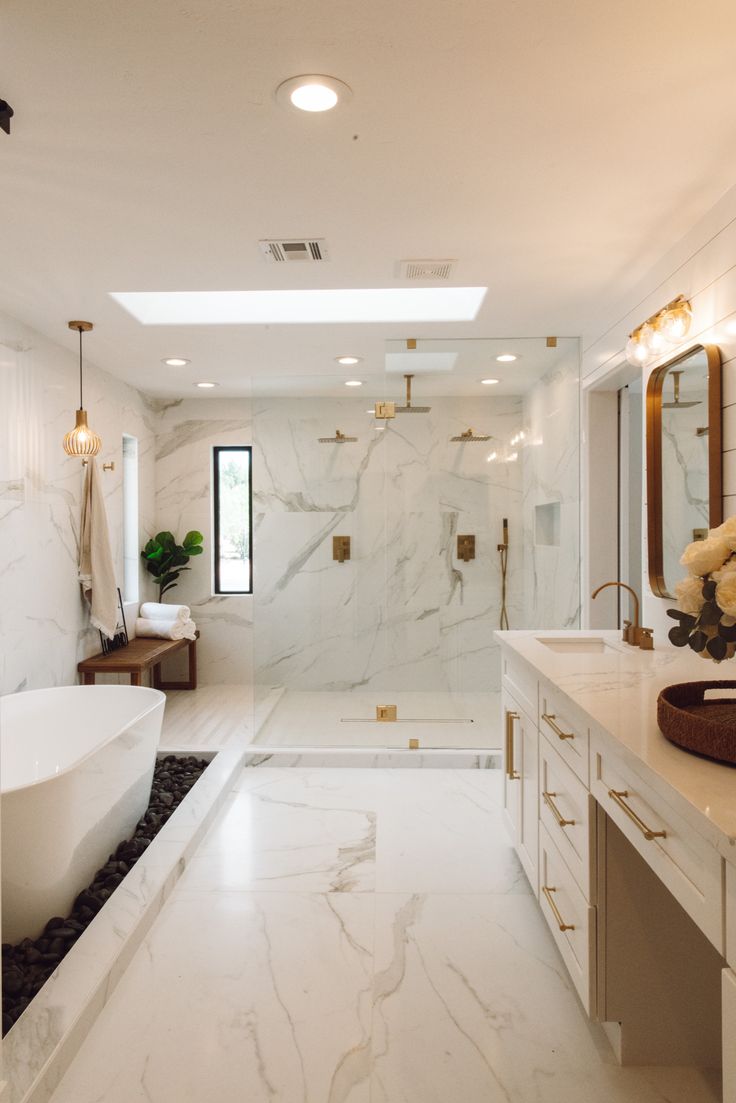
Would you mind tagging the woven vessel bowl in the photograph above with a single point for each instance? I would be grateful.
(704, 727)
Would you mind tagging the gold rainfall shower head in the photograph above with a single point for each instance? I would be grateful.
(339, 438)
(677, 405)
(469, 436)
(409, 409)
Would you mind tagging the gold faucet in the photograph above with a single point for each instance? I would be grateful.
(634, 633)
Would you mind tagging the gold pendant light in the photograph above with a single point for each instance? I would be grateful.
(81, 441)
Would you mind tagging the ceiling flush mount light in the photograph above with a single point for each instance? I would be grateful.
(176, 362)
(206, 385)
(313, 92)
(654, 336)
(81, 441)
(489, 382)
(329, 306)
(506, 358)
(348, 361)
(353, 383)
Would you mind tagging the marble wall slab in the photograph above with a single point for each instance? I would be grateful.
(44, 624)
(186, 432)
(550, 455)
(403, 613)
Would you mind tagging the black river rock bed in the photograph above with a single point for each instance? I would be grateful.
(28, 965)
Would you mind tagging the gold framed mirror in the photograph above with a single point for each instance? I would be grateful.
(684, 482)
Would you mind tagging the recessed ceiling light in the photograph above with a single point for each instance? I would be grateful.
(353, 383)
(206, 384)
(313, 92)
(348, 360)
(176, 362)
(506, 358)
(489, 382)
(305, 307)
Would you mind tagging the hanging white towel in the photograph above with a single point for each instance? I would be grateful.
(96, 571)
(156, 610)
(165, 629)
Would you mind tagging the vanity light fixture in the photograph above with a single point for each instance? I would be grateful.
(176, 362)
(348, 361)
(489, 382)
(313, 92)
(205, 385)
(81, 441)
(353, 383)
(506, 358)
(654, 336)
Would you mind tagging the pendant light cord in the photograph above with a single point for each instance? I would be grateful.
(81, 403)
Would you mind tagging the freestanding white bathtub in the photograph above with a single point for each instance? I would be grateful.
(75, 775)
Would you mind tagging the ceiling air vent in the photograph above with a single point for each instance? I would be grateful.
(426, 269)
(294, 249)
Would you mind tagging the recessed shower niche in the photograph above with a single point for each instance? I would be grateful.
(547, 524)
(404, 619)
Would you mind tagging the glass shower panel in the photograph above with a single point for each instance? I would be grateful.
(320, 603)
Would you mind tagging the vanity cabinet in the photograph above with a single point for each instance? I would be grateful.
(610, 834)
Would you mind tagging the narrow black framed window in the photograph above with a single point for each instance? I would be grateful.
(233, 519)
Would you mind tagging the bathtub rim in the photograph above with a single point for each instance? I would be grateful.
(156, 699)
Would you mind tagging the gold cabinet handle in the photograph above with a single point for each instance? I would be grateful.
(550, 718)
(511, 773)
(555, 910)
(555, 810)
(618, 797)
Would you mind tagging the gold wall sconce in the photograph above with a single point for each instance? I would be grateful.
(341, 548)
(659, 332)
(466, 547)
(81, 441)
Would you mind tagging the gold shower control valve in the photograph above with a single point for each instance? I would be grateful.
(466, 548)
(386, 713)
(341, 548)
(385, 410)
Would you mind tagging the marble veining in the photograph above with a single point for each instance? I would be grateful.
(440, 982)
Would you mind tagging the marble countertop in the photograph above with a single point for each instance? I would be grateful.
(617, 689)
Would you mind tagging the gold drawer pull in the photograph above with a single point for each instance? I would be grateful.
(647, 832)
(550, 718)
(555, 810)
(555, 911)
(510, 771)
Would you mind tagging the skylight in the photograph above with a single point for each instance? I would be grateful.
(327, 307)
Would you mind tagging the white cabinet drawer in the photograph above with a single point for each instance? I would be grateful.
(728, 1012)
(565, 810)
(564, 730)
(684, 862)
(731, 915)
(521, 683)
(569, 917)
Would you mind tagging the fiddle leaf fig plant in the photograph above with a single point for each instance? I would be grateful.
(165, 559)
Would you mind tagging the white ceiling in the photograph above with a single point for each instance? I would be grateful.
(556, 150)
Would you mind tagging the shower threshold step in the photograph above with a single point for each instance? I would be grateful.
(443, 758)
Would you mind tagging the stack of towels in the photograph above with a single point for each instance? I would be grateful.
(165, 622)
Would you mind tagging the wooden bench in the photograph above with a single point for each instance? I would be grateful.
(138, 656)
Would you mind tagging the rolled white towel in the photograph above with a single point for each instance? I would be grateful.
(156, 610)
(165, 630)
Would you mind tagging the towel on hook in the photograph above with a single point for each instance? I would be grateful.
(96, 571)
(165, 629)
(156, 610)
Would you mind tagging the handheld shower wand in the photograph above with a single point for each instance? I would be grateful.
(503, 550)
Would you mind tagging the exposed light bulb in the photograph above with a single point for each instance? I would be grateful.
(675, 322)
(637, 351)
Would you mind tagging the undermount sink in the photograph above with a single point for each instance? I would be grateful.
(572, 645)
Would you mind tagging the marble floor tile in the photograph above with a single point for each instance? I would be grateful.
(239, 996)
(207, 718)
(301, 962)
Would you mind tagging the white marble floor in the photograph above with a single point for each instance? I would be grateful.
(342, 719)
(207, 718)
(355, 936)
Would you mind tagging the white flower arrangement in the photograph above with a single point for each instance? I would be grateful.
(707, 597)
